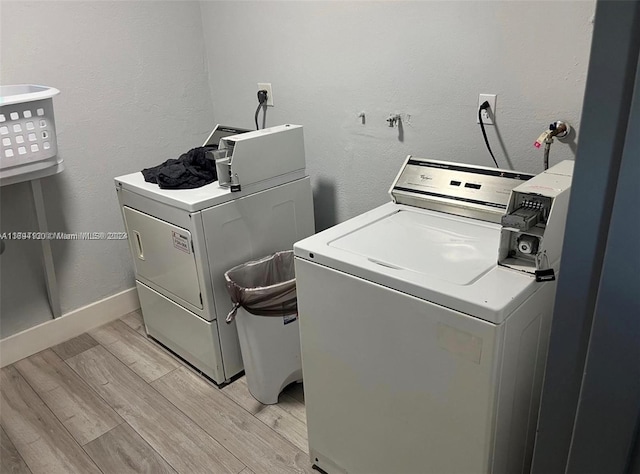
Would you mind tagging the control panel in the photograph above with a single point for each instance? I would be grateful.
(467, 190)
(248, 158)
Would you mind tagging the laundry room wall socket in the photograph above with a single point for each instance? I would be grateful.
(266, 86)
(488, 116)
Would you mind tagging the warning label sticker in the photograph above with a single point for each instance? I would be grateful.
(289, 318)
(181, 242)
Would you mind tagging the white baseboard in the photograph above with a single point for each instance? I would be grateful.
(50, 333)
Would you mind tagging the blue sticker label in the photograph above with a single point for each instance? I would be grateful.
(289, 318)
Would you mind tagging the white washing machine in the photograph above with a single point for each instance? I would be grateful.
(424, 322)
(183, 240)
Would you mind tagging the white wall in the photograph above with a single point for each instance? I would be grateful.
(133, 77)
(328, 61)
(134, 93)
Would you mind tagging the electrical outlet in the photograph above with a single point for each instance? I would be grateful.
(488, 115)
(266, 86)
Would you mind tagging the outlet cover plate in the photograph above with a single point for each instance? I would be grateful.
(267, 87)
(489, 115)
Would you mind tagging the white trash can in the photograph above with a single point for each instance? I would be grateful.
(265, 310)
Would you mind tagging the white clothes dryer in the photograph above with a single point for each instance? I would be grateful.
(183, 240)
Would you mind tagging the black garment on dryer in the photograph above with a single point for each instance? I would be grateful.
(191, 170)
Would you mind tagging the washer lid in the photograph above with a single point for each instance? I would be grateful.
(456, 250)
(445, 259)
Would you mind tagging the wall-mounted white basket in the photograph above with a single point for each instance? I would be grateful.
(27, 133)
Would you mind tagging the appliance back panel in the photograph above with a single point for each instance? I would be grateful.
(465, 190)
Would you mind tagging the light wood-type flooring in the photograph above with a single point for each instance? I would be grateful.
(113, 401)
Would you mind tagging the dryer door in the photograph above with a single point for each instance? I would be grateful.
(163, 255)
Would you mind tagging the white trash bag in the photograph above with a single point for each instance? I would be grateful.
(265, 287)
